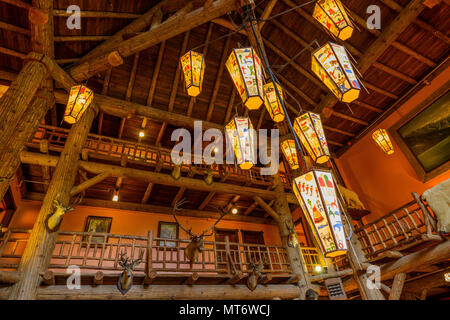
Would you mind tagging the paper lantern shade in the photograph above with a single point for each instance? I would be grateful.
(309, 130)
(241, 134)
(290, 153)
(80, 98)
(332, 65)
(331, 14)
(193, 67)
(273, 104)
(316, 193)
(244, 67)
(382, 139)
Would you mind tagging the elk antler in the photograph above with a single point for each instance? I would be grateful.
(223, 214)
(176, 208)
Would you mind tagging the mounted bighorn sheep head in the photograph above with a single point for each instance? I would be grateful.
(255, 269)
(126, 278)
(196, 245)
(292, 240)
(53, 220)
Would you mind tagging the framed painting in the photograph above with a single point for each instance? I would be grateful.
(97, 225)
(167, 230)
(424, 135)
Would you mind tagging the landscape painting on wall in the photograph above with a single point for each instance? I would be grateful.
(427, 135)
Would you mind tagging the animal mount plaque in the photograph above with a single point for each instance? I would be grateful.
(53, 220)
(126, 277)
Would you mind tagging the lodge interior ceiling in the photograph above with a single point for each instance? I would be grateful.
(152, 78)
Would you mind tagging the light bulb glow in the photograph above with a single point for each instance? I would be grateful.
(141, 134)
(318, 269)
(234, 211)
(115, 198)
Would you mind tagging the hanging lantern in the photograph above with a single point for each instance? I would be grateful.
(331, 14)
(308, 128)
(316, 193)
(80, 98)
(381, 137)
(332, 65)
(290, 152)
(244, 67)
(241, 134)
(273, 104)
(193, 66)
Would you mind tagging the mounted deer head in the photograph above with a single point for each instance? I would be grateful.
(53, 220)
(126, 278)
(255, 269)
(196, 245)
(292, 240)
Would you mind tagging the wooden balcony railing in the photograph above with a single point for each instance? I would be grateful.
(106, 148)
(100, 251)
(399, 229)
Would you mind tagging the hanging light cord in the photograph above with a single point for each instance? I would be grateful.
(275, 80)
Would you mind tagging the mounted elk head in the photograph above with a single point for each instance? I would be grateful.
(255, 273)
(126, 278)
(196, 245)
(292, 240)
(53, 220)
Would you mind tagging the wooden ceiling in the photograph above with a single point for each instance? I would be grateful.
(152, 76)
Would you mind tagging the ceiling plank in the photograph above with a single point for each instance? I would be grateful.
(166, 30)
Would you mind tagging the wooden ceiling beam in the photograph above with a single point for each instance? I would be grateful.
(156, 209)
(98, 14)
(173, 92)
(349, 118)
(154, 177)
(13, 28)
(377, 48)
(168, 29)
(104, 92)
(218, 79)
(338, 131)
(267, 11)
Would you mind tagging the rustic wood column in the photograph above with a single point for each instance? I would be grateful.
(281, 207)
(27, 126)
(37, 254)
(19, 95)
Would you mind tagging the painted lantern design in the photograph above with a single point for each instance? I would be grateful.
(308, 128)
(273, 104)
(193, 66)
(244, 67)
(332, 65)
(331, 14)
(316, 193)
(80, 98)
(382, 139)
(290, 153)
(242, 136)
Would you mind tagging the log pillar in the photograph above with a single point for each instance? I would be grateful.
(281, 206)
(27, 126)
(19, 95)
(38, 251)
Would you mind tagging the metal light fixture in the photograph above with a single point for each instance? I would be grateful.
(382, 139)
(316, 193)
(332, 15)
(241, 134)
(272, 102)
(245, 70)
(176, 172)
(209, 177)
(308, 128)
(290, 153)
(193, 66)
(80, 98)
(332, 65)
(115, 197)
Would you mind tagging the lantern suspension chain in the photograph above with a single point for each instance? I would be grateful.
(275, 80)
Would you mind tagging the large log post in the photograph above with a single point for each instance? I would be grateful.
(37, 254)
(27, 126)
(281, 206)
(19, 95)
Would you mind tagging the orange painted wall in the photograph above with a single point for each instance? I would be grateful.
(136, 223)
(385, 182)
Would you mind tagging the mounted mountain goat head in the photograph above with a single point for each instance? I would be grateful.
(255, 269)
(292, 240)
(196, 245)
(126, 278)
(53, 220)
